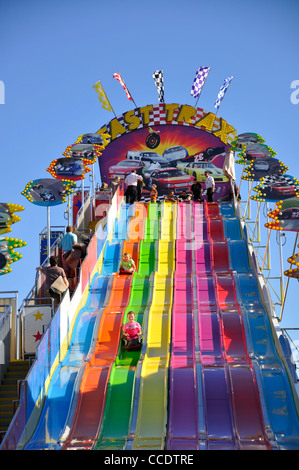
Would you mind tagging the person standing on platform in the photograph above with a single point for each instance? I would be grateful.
(131, 183)
(154, 193)
(197, 191)
(210, 186)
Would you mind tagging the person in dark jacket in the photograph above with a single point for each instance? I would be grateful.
(196, 189)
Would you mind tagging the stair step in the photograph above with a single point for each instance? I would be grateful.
(6, 413)
(5, 421)
(4, 406)
(4, 389)
(16, 371)
(11, 381)
(9, 396)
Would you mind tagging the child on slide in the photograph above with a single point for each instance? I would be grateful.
(132, 332)
(127, 265)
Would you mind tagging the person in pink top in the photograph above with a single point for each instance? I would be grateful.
(132, 331)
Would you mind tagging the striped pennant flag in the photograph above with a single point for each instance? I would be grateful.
(102, 96)
(119, 78)
(222, 91)
(199, 80)
(158, 77)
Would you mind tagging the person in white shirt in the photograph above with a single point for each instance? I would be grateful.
(210, 186)
(131, 183)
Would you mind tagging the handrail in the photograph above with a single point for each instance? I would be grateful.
(5, 314)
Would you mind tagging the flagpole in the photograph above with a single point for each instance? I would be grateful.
(223, 98)
(200, 93)
(121, 81)
(202, 85)
(132, 97)
(111, 108)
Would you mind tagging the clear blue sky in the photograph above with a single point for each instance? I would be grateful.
(51, 53)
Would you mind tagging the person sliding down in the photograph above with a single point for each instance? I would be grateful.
(127, 265)
(132, 333)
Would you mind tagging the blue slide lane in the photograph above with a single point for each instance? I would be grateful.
(275, 379)
(60, 394)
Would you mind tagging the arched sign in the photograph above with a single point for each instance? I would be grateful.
(276, 187)
(170, 145)
(261, 167)
(88, 152)
(246, 138)
(69, 168)
(256, 152)
(8, 217)
(285, 215)
(48, 191)
(8, 253)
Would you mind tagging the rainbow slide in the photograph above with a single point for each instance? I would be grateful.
(211, 373)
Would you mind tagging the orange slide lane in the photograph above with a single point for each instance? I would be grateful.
(93, 388)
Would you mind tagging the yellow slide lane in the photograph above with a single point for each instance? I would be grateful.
(152, 407)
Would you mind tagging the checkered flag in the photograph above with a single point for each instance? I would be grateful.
(158, 77)
(200, 78)
(286, 180)
(222, 91)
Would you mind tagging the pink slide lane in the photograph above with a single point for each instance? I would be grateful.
(217, 426)
(182, 422)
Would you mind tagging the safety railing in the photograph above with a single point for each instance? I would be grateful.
(55, 340)
(5, 333)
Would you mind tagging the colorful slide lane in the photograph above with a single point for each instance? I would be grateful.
(211, 373)
(152, 396)
(263, 404)
(61, 388)
(183, 394)
(197, 355)
(64, 382)
(221, 346)
(114, 433)
(89, 411)
(274, 378)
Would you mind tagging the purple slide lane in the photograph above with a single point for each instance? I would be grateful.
(217, 405)
(247, 412)
(234, 382)
(183, 396)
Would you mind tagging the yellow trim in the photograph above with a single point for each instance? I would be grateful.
(152, 404)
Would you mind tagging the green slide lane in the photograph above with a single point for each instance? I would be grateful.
(120, 393)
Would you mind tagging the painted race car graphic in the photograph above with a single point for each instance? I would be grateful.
(261, 165)
(71, 169)
(124, 168)
(289, 213)
(283, 188)
(197, 169)
(170, 178)
(175, 154)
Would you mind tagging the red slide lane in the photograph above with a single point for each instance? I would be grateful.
(92, 395)
(219, 256)
(247, 412)
(215, 228)
(211, 210)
